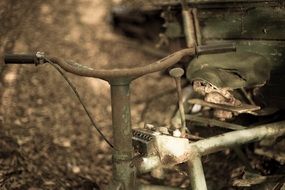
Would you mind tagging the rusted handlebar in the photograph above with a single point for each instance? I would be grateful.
(131, 73)
(114, 74)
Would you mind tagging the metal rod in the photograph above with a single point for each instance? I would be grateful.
(213, 122)
(177, 73)
(132, 73)
(226, 140)
(197, 27)
(188, 24)
(197, 177)
(220, 142)
(180, 102)
(123, 171)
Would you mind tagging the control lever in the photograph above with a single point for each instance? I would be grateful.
(177, 73)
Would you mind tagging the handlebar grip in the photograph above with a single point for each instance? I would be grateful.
(20, 59)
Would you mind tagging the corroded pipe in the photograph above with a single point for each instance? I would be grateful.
(197, 177)
(217, 143)
(227, 140)
(123, 171)
(132, 73)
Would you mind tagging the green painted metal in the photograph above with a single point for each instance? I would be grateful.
(123, 171)
(234, 138)
(197, 176)
(229, 1)
(212, 2)
(274, 51)
(230, 70)
(262, 23)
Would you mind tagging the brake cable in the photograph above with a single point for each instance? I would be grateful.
(79, 98)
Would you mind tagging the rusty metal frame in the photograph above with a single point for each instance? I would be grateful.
(124, 170)
(124, 174)
(200, 148)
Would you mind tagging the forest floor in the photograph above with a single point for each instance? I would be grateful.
(46, 139)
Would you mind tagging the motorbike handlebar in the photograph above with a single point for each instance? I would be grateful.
(130, 73)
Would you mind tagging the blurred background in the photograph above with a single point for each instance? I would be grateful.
(46, 139)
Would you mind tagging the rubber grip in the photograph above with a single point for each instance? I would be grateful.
(20, 59)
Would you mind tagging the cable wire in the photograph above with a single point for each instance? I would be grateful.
(80, 100)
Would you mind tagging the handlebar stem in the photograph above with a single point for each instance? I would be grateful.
(123, 153)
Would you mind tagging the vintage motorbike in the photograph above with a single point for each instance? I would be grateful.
(234, 76)
(242, 87)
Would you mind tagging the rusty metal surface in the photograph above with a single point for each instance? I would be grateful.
(123, 171)
(143, 141)
(124, 76)
(197, 177)
(220, 142)
(167, 150)
(172, 150)
(177, 73)
(131, 73)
